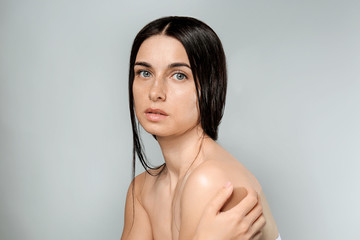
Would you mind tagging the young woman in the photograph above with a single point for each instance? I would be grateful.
(177, 89)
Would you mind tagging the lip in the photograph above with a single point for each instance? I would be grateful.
(155, 115)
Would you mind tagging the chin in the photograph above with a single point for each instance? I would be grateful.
(153, 128)
(161, 131)
(158, 132)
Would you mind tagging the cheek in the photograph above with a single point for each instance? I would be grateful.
(189, 106)
(193, 102)
(138, 101)
(195, 105)
(138, 94)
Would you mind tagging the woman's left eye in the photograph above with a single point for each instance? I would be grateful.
(179, 76)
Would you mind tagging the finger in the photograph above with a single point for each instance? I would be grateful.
(247, 204)
(256, 228)
(220, 198)
(255, 213)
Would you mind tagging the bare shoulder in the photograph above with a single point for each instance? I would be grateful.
(203, 183)
(205, 180)
(218, 167)
(137, 223)
(142, 184)
(138, 184)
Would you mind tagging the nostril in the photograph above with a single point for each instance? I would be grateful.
(157, 94)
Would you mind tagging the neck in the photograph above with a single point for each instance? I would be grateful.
(180, 152)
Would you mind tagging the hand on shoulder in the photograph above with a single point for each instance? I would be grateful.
(244, 221)
(202, 185)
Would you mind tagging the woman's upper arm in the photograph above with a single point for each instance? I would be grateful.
(270, 230)
(200, 187)
(137, 224)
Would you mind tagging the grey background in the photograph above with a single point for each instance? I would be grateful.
(292, 114)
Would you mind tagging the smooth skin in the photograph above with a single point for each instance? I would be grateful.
(244, 221)
(173, 204)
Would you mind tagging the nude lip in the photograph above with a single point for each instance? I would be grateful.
(155, 114)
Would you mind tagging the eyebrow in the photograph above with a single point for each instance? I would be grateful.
(172, 65)
(144, 64)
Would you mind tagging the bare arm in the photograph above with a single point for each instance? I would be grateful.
(270, 230)
(137, 224)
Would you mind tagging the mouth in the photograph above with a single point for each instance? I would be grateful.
(155, 111)
(155, 115)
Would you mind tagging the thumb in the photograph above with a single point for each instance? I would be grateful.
(220, 198)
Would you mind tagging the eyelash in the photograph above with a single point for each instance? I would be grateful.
(139, 72)
(183, 74)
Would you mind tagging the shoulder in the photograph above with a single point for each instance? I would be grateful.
(139, 189)
(141, 184)
(220, 165)
(206, 179)
(212, 174)
(135, 190)
(137, 184)
(199, 186)
(204, 182)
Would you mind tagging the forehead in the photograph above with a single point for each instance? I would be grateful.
(161, 49)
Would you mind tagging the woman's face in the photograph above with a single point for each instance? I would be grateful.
(163, 88)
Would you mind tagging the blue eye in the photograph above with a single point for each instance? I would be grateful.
(179, 76)
(144, 74)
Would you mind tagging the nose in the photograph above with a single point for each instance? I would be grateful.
(157, 90)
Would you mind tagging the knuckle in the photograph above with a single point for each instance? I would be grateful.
(253, 198)
(252, 191)
(259, 209)
(244, 227)
(262, 220)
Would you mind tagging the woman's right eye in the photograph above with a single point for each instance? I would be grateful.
(144, 74)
